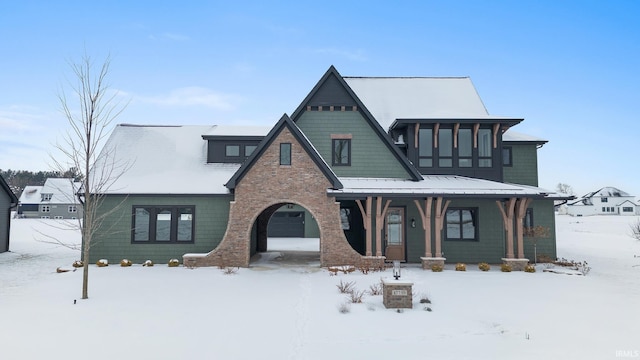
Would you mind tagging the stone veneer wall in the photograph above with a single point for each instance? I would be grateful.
(268, 183)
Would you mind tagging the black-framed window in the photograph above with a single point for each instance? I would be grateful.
(627, 209)
(485, 153)
(341, 152)
(249, 149)
(465, 148)
(507, 156)
(445, 148)
(285, 154)
(527, 221)
(461, 224)
(604, 199)
(425, 148)
(232, 150)
(163, 224)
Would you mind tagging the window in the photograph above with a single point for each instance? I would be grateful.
(484, 148)
(72, 209)
(341, 152)
(46, 197)
(45, 208)
(425, 151)
(604, 199)
(445, 148)
(163, 224)
(58, 217)
(527, 222)
(249, 149)
(461, 224)
(464, 148)
(45, 217)
(627, 209)
(506, 156)
(285, 154)
(232, 150)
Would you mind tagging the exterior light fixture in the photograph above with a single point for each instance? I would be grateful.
(413, 222)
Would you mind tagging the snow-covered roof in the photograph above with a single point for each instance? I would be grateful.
(391, 98)
(165, 160)
(450, 185)
(516, 136)
(62, 190)
(236, 130)
(30, 194)
(608, 191)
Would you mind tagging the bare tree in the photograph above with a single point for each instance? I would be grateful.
(90, 111)
(565, 189)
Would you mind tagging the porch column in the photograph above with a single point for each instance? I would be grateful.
(425, 215)
(366, 220)
(440, 212)
(507, 220)
(380, 214)
(521, 210)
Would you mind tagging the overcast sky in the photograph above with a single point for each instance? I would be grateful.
(569, 68)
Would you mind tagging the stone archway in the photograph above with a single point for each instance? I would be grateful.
(267, 183)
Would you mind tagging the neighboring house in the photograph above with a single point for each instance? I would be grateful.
(606, 201)
(409, 169)
(55, 200)
(7, 202)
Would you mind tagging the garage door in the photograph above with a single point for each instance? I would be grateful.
(286, 224)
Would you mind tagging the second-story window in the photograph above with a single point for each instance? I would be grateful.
(484, 148)
(465, 144)
(341, 152)
(285, 154)
(232, 150)
(425, 151)
(445, 148)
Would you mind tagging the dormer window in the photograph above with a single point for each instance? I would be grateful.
(46, 197)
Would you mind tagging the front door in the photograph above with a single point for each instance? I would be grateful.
(394, 234)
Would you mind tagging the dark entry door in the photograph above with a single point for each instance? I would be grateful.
(286, 224)
(394, 234)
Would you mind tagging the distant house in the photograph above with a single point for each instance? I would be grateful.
(55, 200)
(7, 201)
(606, 201)
(405, 169)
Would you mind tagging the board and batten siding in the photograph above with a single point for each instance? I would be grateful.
(524, 168)
(211, 215)
(370, 157)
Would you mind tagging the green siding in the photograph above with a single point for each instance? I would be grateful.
(525, 164)
(5, 202)
(114, 241)
(370, 157)
(543, 215)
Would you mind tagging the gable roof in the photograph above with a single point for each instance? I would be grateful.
(342, 89)
(7, 189)
(608, 191)
(285, 122)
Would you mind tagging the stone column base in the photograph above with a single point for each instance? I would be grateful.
(427, 262)
(516, 264)
(373, 262)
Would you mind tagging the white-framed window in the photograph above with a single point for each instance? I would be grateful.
(45, 217)
(58, 217)
(46, 197)
(45, 208)
(73, 209)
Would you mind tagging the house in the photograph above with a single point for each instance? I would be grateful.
(606, 201)
(7, 202)
(54, 200)
(410, 169)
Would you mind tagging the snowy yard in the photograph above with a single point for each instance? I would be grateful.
(270, 311)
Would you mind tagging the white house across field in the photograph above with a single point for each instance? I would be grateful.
(606, 201)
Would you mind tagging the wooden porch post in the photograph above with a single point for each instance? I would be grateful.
(507, 220)
(521, 210)
(366, 220)
(380, 214)
(440, 212)
(425, 215)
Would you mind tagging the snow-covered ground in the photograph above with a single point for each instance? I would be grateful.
(270, 311)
